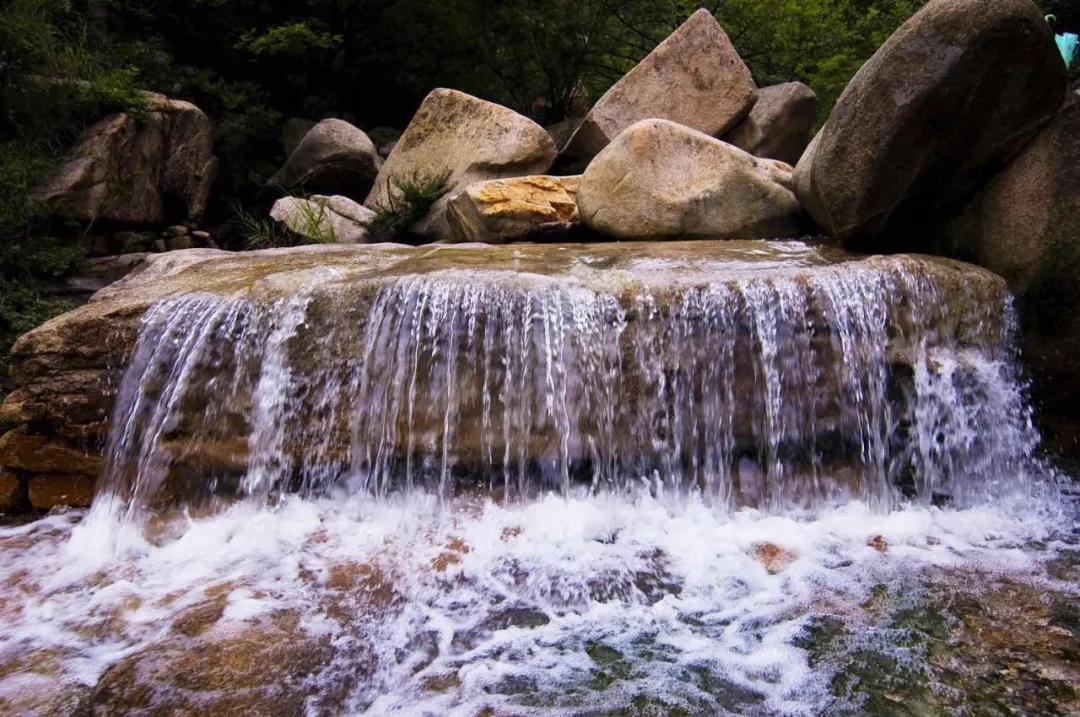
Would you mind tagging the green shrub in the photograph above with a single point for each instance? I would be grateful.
(408, 199)
(262, 232)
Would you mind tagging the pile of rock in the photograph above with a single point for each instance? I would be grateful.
(618, 172)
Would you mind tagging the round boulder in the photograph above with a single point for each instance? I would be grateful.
(333, 157)
(779, 125)
(661, 180)
(466, 140)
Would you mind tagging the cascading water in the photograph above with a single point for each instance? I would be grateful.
(797, 389)
(529, 481)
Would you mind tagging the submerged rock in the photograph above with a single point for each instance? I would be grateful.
(954, 94)
(333, 157)
(468, 138)
(779, 125)
(142, 171)
(260, 669)
(661, 180)
(695, 78)
(504, 210)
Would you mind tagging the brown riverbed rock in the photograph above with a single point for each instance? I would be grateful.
(41, 454)
(661, 180)
(695, 77)
(49, 490)
(472, 140)
(504, 210)
(129, 170)
(10, 488)
(956, 93)
(774, 558)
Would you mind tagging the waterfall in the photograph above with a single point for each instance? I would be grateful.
(793, 388)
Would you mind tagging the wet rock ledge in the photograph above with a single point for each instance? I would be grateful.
(55, 422)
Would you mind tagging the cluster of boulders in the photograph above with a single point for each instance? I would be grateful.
(958, 137)
(645, 162)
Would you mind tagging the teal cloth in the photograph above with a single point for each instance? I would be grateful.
(1067, 44)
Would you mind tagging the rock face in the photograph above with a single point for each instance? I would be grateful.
(472, 139)
(332, 157)
(661, 180)
(453, 315)
(694, 77)
(779, 125)
(160, 169)
(951, 97)
(1025, 226)
(503, 210)
(326, 220)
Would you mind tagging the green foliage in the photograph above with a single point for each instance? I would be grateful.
(408, 199)
(53, 81)
(293, 39)
(259, 231)
(24, 269)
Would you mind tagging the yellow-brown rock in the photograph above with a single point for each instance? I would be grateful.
(41, 454)
(505, 210)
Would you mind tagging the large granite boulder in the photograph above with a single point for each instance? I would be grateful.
(333, 157)
(779, 125)
(1025, 226)
(661, 180)
(952, 96)
(469, 138)
(325, 220)
(503, 210)
(150, 170)
(694, 77)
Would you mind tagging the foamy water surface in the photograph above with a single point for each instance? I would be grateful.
(560, 606)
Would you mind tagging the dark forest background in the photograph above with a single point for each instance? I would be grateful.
(253, 64)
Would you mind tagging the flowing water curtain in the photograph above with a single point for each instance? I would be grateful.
(793, 390)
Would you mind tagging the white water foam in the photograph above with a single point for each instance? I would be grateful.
(573, 605)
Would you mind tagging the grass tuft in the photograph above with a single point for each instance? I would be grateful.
(408, 199)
